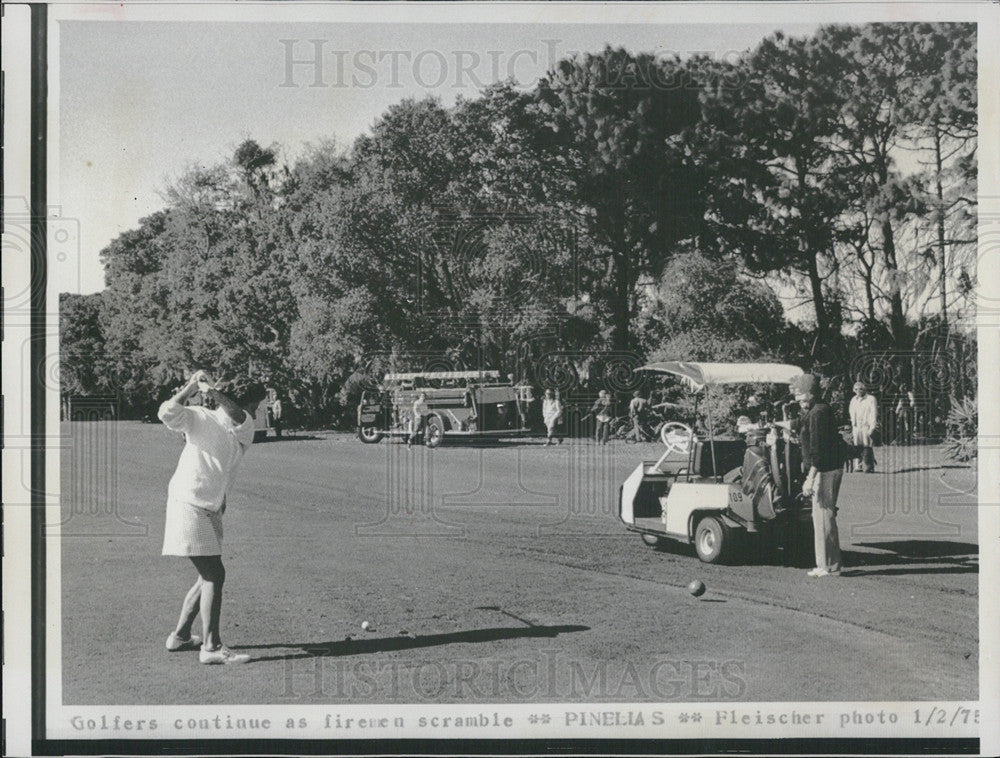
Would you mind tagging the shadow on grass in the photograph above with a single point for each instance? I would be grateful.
(899, 557)
(749, 553)
(288, 438)
(488, 443)
(914, 469)
(911, 571)
(924, 548)
(903, 557)
(386, 644)
(668, 546)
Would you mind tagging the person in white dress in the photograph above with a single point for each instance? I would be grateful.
(215, 441)
(864, 419)
(552, 415)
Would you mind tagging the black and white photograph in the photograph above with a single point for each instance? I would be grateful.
(397, 377)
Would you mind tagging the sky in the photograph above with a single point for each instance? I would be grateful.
(142, 101)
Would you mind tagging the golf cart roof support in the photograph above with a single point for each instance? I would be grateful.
(711, 437)
(699, 375)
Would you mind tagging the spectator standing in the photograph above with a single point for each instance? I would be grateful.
(552, 415)
(864, 419)
(904, 417)
(603, 413)
(418, 417)
(276, 414)
(822, 461)
(638, 407)
(524, 401)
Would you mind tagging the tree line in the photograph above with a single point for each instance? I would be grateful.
(626, 205)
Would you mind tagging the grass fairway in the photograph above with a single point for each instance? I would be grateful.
(499, 574)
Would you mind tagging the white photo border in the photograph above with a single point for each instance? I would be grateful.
(60, 733)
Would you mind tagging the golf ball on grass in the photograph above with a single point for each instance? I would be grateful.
(365, 625)
(697, 587)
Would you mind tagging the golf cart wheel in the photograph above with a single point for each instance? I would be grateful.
(434, 432)
(713, 540)
(653, 540)
(369, 434)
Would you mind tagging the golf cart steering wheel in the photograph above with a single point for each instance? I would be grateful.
(677, 437)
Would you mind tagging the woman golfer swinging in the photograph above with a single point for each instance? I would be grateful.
(196, 499)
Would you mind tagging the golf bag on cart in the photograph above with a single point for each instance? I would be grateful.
(772, 478)
(771, 484)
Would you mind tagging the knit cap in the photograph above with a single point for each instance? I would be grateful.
(805, 384)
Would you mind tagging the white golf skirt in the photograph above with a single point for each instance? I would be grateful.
(190, 530)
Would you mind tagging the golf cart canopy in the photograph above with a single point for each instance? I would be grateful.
(699, 375)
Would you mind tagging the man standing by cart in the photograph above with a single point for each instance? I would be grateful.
(822, 460)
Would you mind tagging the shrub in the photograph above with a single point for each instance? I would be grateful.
(962, 430)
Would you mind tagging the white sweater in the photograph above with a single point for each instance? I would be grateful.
(211, 456)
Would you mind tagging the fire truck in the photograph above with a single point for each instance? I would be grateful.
(460, 404)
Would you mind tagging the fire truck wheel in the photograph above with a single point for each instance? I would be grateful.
(369, 434)
(434, 432)
(713, 540)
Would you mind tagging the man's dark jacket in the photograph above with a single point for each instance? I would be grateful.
(820, 439)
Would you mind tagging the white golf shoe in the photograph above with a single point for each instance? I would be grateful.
(222, 654)
(176, 644)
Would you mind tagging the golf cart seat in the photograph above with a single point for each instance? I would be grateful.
(728, 456)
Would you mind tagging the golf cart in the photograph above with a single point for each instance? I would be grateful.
(727, 496)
